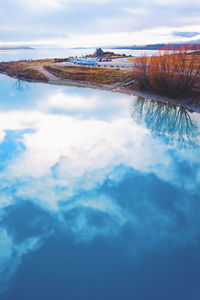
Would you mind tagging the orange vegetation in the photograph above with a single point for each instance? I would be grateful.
(173, 72)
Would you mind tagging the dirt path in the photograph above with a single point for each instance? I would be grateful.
(46, 73)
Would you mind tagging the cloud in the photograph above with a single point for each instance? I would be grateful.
(82, 161)
(54, 168)
(63, 22)
(5, 200)
(92, 168)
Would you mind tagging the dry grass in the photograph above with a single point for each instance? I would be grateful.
(30, 73)
(22, 71)
(91, 74)
(97, 75)
(43, 62)
(155, 59)
(40, 62)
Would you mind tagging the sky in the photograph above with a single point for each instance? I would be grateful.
(86, 23)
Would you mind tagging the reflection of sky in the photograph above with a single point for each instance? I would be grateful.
(83, 181)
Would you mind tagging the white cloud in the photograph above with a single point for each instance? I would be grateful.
(90, 22)
(82, 151)
(5, 199)
(137, 11)
(37, 5)
(73, 149)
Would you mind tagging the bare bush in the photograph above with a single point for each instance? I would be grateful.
(171, 71)
(142, 71)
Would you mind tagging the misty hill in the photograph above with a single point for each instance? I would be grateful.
(153, 46)
(16, 48)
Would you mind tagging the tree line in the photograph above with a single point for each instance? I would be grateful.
(171, 71)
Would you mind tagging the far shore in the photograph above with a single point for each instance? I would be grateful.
(47, 71)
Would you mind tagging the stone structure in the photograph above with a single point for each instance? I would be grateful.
(99, 52)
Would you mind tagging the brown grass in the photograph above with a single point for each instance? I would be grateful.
(22, 71)
(156, 59)
(91, 74)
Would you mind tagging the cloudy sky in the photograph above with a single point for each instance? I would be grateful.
(74, 23)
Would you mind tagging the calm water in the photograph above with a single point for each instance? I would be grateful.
(99, 196)
(11, 55)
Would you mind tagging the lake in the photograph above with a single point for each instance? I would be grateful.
(99, 195)
(37, 53)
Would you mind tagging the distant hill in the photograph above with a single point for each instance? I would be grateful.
(142, 47)
(16, 48)
(153, 46)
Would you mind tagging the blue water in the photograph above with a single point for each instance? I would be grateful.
(99, 196)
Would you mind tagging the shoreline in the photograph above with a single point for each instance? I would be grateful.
(45, 76)
(148, 96)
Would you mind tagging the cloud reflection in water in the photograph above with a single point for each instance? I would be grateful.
(99, 176)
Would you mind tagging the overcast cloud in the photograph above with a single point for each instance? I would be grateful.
(94, 22)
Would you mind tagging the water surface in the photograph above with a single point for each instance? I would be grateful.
(99, 196)
(39, 53)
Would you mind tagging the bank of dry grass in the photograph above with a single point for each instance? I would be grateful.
(90, 74)
(22, 71)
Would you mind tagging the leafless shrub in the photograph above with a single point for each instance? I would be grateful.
(171, 71)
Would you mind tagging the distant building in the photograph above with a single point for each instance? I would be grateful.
(105, 59)
(99, 52)
(83, 61)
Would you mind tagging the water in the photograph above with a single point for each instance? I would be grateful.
(99, 196)
(12, 55)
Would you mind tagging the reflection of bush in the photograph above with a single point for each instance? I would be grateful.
(169, 120)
